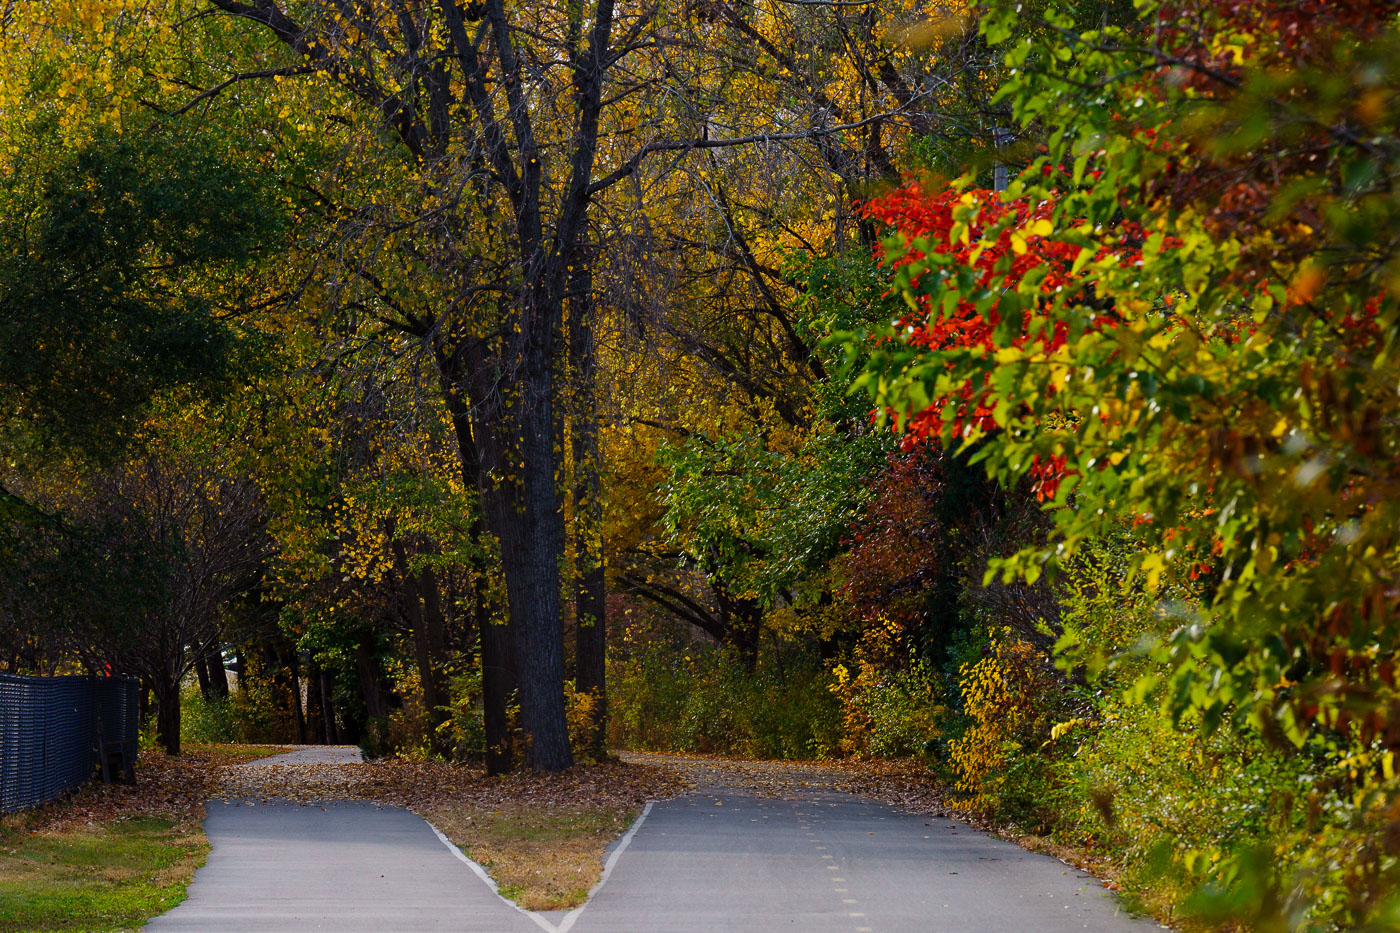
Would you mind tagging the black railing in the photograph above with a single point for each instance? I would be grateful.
(49, 731)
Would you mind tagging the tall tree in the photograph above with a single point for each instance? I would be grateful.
(501, 117)
(115, 262)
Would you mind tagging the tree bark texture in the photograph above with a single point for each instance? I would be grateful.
(328, 709)
(167, 696)
(218, 676)
(526, 517)
(590, 666)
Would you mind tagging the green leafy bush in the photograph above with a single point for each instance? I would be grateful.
(710, 703)
(206, 720)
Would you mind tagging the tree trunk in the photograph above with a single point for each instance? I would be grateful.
(527, 520)
(507, 448)
(167, 695)
(371, 680)
(218, 677)
(294, 667)
(328, 710)
(590, 670)
(201, 671)
(497, 642)
(315, 711)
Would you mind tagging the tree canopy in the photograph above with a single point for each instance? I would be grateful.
(1010, 387)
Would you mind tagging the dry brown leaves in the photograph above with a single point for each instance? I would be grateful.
(906, 784)
(542, 836)
(175, 788)
(424, 785)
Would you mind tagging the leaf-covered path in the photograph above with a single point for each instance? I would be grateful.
(755, 848)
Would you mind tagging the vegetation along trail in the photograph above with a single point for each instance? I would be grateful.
(753, 847)
(995, 401)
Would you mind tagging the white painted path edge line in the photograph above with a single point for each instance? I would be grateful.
(568, 922)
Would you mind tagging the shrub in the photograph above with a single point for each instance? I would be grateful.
(466, 723)
(1009, 697)
(710, 703)
(888, 713)
(206, 720)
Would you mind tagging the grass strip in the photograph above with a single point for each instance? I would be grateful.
(109, 857)
(541, 856)
(114, 876)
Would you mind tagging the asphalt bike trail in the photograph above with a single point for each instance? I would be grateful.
(720, 859)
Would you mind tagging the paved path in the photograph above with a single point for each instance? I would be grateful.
(337, 865)
(718, 861)
(310, 755)
(830, 863)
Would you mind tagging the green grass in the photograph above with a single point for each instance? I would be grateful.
(102, 878)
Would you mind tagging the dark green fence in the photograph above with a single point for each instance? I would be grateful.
(49, 728)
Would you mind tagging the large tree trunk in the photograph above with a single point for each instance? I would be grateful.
(218, 677)
(510, 442)
(424, 611)
(497, 643)
(526, 518)
(590, 670)
(167, 695)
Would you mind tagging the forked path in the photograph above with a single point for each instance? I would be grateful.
(726, 858)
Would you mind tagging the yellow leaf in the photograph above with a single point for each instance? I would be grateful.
(1153, 565)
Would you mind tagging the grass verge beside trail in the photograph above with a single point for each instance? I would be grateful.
(107, 877)
(541, 857)
(110, 857)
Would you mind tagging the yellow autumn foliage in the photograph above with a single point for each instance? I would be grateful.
(1001, 695)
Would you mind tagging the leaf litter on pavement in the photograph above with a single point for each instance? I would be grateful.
(542, 836)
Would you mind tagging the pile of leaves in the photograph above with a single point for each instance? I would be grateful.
(171, 787)
(420, 786)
